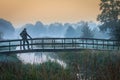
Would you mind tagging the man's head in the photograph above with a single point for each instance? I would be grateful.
(24, 29)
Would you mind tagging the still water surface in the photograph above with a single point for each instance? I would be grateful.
(38, 58)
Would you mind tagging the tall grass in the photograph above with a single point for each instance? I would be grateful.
(93, 65)
(45, 71)
(83, 65)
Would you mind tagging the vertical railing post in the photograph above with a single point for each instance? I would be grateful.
(118, 44)
(72, 43)
(86, 44)
(97, 44)
(93, 43)
(9, 46)
(107, 44)
(113, 44)
(83, 43)
(20, 44)
(64, 43)
(42, 43)
(54, 43)
(31, 43)
(103, 44)
(75, 43)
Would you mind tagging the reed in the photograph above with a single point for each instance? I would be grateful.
(83, 65)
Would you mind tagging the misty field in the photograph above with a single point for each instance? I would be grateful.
(82, 65)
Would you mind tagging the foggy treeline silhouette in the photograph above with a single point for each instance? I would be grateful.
(6, 29)
(80, 29)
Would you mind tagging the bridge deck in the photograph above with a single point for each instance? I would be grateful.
(58, 44)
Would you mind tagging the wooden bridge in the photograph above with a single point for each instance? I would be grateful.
(57, 44)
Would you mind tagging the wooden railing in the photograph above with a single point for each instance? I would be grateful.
(58, 44)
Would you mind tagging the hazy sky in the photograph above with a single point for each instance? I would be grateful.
(48, 11)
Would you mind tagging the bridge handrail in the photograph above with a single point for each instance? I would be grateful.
(63, 43)
(12, 40)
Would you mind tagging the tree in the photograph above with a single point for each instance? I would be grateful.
(1, 35)
(110, 11)
(109, 17)
(116, 31)
(70, 32)
(55, 30)
(86, 31)
(7, 29)
(80, 25)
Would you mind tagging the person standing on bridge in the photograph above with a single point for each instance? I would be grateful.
(25, 36)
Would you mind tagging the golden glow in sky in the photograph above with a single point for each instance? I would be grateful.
(47, 11)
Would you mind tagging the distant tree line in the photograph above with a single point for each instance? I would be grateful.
(82, 31)
(77, 30)
(59, 30)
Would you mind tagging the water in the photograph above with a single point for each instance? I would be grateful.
(38, 58)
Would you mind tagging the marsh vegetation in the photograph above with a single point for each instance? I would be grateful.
(83, 65)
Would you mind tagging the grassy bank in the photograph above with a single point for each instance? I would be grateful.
(86, 64)
(93, 65)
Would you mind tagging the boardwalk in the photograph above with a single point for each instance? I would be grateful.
(58, 44)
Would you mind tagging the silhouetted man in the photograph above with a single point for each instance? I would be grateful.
(24, 36)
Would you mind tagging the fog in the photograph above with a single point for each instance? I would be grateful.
(59, 30)
(53, 30)
(6, 29)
